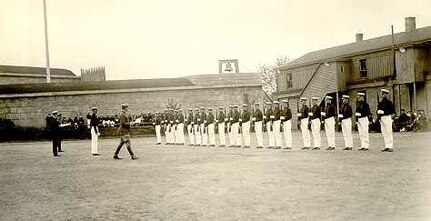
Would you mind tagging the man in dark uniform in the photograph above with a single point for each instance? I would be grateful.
(286, 116)
(221, 120)
(197, 127)
(94, 130)
(345, 116)
(230, 132)
(204, 129)
(362, 114)
(268, 124)
(157, 122)
(210, 126)
(235, 127)
(124, 131)
(315, 122)
(277, 124)
(329, 119)
(304, 119)
(190, 124)
(180, 127)
(245, 124)
(54, 130)
(385, 110)
(257, 119)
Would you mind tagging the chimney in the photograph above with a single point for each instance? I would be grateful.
(359, 37)
(410, 24)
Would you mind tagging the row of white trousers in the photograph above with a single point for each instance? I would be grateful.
(173, 135)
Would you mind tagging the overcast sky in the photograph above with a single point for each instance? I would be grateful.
(153, 39)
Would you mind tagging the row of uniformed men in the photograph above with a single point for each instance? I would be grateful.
(201, 126)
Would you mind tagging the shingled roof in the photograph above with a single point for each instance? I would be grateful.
(10, 69)
(419, 35)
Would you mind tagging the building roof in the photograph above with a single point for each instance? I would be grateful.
(196, 80)
(10, 69)
(374, 44)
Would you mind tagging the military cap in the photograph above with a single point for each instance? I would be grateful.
(210, 108)
(345, 96)
(125, 105)
(202, 108)
(196, 109)
(385, 91)
(268, 103)
(276, 102)
(303, 98)
(244, 105)
(94, 108)
(235, 105)
(157, 112)
(314, 98)
(285, 101)
(175, 110)
(180, 109)
(221, 107)
(328, 97)
(189, 108)
(361, 94)
(55, 112)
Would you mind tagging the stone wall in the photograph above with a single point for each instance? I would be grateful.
(14, 79)
(31, 111)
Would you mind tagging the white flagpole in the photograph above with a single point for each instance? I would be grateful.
(48, 72)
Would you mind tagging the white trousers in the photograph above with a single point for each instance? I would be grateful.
(258, 131)
(271, 138)
(191, 135)
(346, 127)
(363, 132)
(386, 127)
(235, 135)
(158, 135)
(221, 134)
(315, 130)
(211, 134)
(277, 133)
(230, 135)
(176, 135)
(204, 134)
(330, 131)
(305, 133)
(198, 135)
(246, 133)
(180, 133)
(94, 139)
(287, 132)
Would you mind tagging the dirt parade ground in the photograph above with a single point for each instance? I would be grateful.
(211, 183)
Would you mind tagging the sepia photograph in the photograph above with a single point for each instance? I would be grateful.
(215, 110)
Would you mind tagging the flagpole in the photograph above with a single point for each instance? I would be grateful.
(48, 71)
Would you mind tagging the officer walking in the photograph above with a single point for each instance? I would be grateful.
(362, 114)
(257, 119)
(277, 125)
(245, 121)
(190, 123)
(157, 122)
(221, 120)
(303, 118)
(286, 117)
(210, 126)
(94, 130)
(315, 116)
(124, 130)
(329, 117)
(385, 110)
(346, 122)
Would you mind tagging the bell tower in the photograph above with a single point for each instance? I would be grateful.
(228, 66)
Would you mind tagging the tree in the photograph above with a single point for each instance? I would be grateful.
(269, 75)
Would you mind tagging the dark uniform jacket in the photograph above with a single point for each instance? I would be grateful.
(189, 119)
(304, 112)
(54, 126)
(346, 111)
(258, 115)
(94, 121)
(316, 112)
(277, 114)
(286, 113)
(180, 118)
(235, 116)
(268, 114)
(221, 117)
(230, 116)
(362, 109)
(386, 106)
(245, 117)
(157, 120)
(329, 111)
(124, 121)
(210, 118)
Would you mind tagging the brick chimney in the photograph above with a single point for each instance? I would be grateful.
(359, 37)
(410, 24)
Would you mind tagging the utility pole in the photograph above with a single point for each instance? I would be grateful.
(48, 71)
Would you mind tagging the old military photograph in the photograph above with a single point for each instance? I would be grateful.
(215, 110)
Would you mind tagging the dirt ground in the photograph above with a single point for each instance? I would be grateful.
(202, 183)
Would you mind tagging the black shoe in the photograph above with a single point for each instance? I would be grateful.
(96, 154)
(363, 148)
(270, 147)
(330, 148)
(259, 147)
(158, 143)
(388, 150)
(117, 158)
(56, 155)
(277, 148)
(316, 148)
(348, 148)
(221, 146)
(246, 146)
(305, 148)
(287, 148)
(134, 157)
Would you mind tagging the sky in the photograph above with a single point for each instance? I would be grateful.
(140, 39)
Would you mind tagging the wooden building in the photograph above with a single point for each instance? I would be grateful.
(399, 62)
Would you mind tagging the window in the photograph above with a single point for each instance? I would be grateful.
(289, 83)
(363, 68)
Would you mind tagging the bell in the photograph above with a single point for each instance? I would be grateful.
(228, 67)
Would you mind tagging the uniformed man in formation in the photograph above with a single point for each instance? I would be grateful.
(345, 116)
(157, 121)
(286, 117)
(303, 117)
(54, 128)
(362, 115)
(258, 126)
(315, 115)
(329, 122)
(221, 124)
(94, 130)
(190, 127)
(236, 127)
(277, 124)
(268, 118)
(385, 110)
(211, 127)
(245, 125)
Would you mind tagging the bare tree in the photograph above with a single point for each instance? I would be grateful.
(268, 73)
